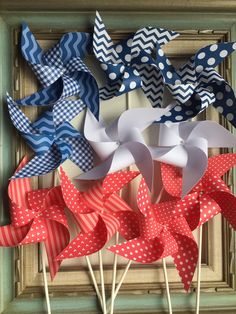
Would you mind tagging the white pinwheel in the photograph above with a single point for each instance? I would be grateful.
(187, 144)
(121, 143)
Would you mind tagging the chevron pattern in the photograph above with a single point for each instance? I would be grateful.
(181, 93)
(153, 86)
(60, 70)
(148, 37)
(128, 64)
(103, 46)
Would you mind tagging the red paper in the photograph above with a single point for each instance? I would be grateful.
(37, 216)
(163, 232)
(209, 197)
(100, 212)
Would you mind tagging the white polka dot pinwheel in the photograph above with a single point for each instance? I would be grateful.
(209, 197)
(187, 146)
(163, 232)
(121, 143)
(196, 85)
(128, 64)
(36, 216)
(100, 212)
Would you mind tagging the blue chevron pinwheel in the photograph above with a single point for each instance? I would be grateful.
(196, 85)
(61, 71)
(128, 64)
(52, 143)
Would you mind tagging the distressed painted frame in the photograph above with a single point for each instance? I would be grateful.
(185, 15)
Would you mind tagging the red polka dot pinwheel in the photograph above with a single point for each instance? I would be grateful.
(36, 216)
(100, 212)
(209, 197)
(162, 233)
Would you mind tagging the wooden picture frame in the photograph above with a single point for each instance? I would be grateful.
(220, 293)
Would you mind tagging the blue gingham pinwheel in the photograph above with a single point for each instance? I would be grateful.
(196, 85)
(128, 64)
(61, 72)
(52, 143)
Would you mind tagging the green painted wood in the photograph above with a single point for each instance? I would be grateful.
(179, 6)
(6, 162)
(150, 303)
(130, 20)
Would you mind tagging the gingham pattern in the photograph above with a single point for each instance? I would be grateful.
(59, 70)
(52, 144)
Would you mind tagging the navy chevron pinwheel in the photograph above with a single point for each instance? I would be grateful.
(61, 71)
(52, 143)
(196, 85)
(128, 64)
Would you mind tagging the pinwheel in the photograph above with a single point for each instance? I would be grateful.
(36, 216)
(196, 85)
(187, 146)
(100, 212)
(61, 72)
(209, 197)
(121, 144)
(53, 144)
(162, 233)
(128, 64)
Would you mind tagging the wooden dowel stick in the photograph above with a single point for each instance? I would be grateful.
(167, 286)
(120, 282)
(114, 277)
(94, 281)
(102, 282)
(199, 270)
(45, 279)
(122, 278)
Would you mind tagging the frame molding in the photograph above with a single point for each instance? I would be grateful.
(210, 15)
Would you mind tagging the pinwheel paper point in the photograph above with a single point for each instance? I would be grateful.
(100, 212)
(52, 144)
(196, 85)
(121, 143)
(128, 64)
(187, 146)
(62, 73)
(36, 216)
(209, 197)
(162, 233)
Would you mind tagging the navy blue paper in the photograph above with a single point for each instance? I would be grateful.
(196, 85)
(129, 65)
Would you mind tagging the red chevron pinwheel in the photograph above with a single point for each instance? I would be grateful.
(209, 197)
(162, 233)
(36, 216)
(100, 212)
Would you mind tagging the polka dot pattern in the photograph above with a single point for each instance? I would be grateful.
(86, 243)
(37, 216)
(72, 196)
(138, 250)
(186, 259)
(128, 224)
(213, 55)
(103, 202)
(114, 182)
(164, 231)
(21, 216)
(172, 179)
(209, 197)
